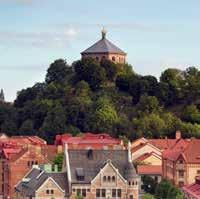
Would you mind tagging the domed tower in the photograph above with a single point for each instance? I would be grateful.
(104, 49)
(133, 180)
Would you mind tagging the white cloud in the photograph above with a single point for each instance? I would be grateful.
(38, 39)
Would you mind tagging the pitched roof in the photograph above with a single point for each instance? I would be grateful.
(193, 189)
(147, 155)
(149, 169)
(37, 177)
(189, 150)
(91, 162)
(96, 141)
(103, 46)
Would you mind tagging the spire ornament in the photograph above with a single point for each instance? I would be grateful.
(103, 32)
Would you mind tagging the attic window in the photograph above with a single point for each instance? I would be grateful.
(80, 174)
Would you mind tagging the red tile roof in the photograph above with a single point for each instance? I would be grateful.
(149, 170)
(87, 139)
(188, 149)
(193, 189)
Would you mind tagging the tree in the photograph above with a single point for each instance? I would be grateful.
(110, 69)
(148, 105)
(59, 161)
(149, 126)
(58, 72)
(27, 128)
(78, 196)
(149, 184)
(148, 196)
(90, 71)
(105, 115)
(124, 81)
(165, 190)
(191, 114)
(54, 123)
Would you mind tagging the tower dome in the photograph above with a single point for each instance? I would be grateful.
(104, 49)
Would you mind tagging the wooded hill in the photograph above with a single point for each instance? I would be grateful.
(106, 97)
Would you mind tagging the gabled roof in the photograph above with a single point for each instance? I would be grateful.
(189, 150)
(103, 46)
(37, 177)
(92, 165)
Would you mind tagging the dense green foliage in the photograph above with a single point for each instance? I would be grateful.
(163, 190)
(59, 161)
(148, 196)
(106, 97)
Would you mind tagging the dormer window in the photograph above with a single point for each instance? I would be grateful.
(80, 174)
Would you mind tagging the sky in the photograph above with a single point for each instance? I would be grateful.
(33, 33)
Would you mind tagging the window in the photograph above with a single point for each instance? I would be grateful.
(103, 193)
(74, 190)
(36, 162)
(78, 191)
(104, 178)
(47, 191)
(119, 192)
(109, 178)
(114, 193)
(113, 58)
(88, 190)
(131, 197)
(113, 179)
(133, 183)
(129, 182)
(180, 161)
(84, 192)
(97, 58)
(52, 191)
(98, 193)
(198, 171)
(29, 163)
(181, 174)
(156, 178)
(103, 57)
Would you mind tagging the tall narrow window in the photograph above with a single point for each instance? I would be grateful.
(119, 192)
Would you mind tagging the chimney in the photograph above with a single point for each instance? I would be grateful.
(178, 135)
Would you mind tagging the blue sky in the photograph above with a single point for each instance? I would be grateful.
(33, 33)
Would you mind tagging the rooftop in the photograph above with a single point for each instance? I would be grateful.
(149, 169)
(91, 162)
(37, 177)
(103, 46)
